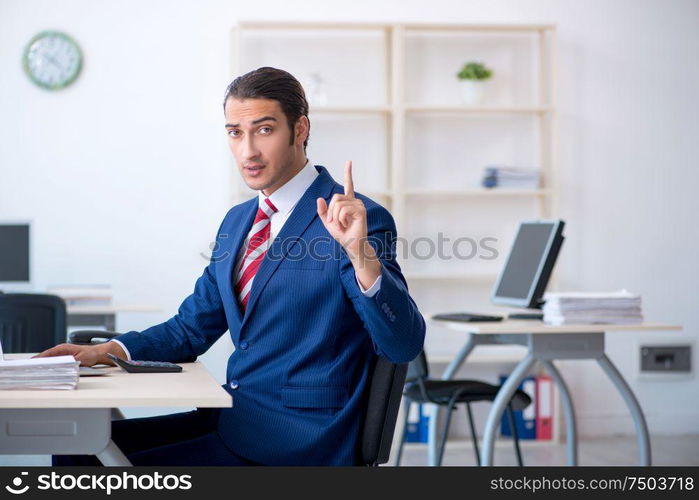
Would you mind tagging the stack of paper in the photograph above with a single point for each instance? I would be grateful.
(83, 295)
(620, 307)
(57, 372)
(504, 177)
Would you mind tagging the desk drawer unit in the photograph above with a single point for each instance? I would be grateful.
(39, 431)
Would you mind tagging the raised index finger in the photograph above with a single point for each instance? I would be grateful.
(349, 185)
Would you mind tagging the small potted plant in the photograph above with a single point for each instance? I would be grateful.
(472, 76)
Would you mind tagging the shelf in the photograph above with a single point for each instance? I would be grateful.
(479, 27)
(308, 25)
(445, 276)
(311, 25)
(419, 108)
(348, 109)
(476, 192)
(445, 108)
(249, 193)
(422, 146)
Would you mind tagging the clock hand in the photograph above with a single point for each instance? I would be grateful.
(53, 61)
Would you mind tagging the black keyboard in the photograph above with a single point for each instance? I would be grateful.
(469, 317)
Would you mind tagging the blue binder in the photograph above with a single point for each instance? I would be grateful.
(417, 426)
(525, 420)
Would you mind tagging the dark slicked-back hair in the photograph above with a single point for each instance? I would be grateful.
(272, 83)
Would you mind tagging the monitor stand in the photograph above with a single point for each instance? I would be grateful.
(534, 312)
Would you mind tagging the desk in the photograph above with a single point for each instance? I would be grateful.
(545, 343)
(68, 422)
(101, 315)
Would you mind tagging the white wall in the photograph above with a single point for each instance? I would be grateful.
(126, 174)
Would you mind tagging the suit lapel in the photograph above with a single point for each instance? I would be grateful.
(300, 218)
(240, 232)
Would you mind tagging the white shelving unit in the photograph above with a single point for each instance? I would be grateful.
(392, 105)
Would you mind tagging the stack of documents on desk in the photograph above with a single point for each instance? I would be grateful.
(620, 307)
(57, 372)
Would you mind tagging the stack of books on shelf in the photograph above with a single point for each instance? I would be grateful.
(57, 372)
(620, 307)
(505, 177)
(83, 295)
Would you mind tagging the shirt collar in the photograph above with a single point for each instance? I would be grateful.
(286, 197)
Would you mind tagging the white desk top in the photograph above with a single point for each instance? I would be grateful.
(523, 327)
(192, 387)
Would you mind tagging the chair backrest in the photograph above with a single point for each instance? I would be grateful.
(385, 392)
(418, 368)
(31, 322)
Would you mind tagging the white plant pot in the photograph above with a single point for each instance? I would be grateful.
(472, 92)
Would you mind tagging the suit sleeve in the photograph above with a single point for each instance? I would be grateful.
(199, 322)
(391, 317)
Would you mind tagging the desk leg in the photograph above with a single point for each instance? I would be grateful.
(112, 456)
(569, 410)
(435, 414)
(635, 409)
(503, 397)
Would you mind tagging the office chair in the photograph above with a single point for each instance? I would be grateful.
(421, 389)
(33, 322)
(385, 390)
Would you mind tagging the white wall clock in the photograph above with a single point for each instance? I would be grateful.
(52, 60)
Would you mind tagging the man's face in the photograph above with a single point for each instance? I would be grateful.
(260, 140)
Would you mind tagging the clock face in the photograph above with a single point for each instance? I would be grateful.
(52, 60)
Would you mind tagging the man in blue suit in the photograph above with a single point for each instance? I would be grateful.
(304, 277)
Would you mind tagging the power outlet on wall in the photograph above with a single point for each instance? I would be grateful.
(656, 359)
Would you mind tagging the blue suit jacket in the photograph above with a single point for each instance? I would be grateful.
(305, 344)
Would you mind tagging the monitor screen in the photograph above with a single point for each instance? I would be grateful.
(14, 252)
(528, 264)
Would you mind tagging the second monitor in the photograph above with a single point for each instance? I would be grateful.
(523, 279)
(525, 275)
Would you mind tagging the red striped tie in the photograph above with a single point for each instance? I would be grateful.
(258, 243)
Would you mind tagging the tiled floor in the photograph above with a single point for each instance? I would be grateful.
(666, 450)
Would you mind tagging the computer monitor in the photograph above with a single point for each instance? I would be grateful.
(14, 253)
(526, 272)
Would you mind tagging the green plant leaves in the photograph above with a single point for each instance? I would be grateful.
(474, 71)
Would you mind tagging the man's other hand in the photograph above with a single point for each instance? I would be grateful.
(88, 355)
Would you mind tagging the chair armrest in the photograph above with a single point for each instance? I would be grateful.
(89, 337)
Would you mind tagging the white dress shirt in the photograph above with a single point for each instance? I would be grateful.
(285, 199)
